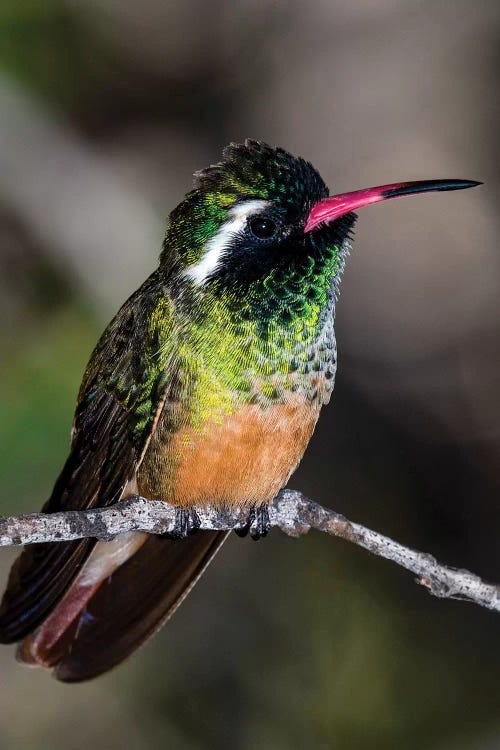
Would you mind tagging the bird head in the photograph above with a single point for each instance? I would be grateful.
(260, 224)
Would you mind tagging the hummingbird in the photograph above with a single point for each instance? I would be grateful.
(204, 390)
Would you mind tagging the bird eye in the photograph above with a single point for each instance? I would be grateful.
(262, 227)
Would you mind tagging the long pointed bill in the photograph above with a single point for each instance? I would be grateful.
(333, 208)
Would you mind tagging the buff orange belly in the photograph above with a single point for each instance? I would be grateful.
(242, 458)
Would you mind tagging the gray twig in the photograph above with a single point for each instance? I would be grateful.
(290, 511)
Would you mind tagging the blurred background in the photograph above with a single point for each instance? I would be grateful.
(106, 109)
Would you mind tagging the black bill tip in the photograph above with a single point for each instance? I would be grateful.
(427, 186)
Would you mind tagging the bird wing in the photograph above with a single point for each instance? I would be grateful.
(121, 394)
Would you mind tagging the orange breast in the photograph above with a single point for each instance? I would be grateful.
(244, 458)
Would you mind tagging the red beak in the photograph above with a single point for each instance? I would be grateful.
(332, 208)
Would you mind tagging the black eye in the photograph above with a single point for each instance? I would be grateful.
(262, 227)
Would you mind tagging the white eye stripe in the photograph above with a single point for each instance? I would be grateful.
(236, 220)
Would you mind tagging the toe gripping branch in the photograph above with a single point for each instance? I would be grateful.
(187, 522)
(258, 524)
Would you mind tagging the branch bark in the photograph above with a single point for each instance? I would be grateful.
(290, 511)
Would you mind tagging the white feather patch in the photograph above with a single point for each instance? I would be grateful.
(215, 247)
(106, 557)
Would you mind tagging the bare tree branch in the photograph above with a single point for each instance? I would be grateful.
(291, 512)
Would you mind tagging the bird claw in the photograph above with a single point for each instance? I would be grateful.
(187, 522)
(257, 525)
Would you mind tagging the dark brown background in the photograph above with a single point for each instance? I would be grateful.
(106, 108)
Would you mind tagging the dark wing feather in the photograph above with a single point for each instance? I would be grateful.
(117, 406)
(43, 572)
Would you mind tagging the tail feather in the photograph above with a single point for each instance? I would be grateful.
(99, 624)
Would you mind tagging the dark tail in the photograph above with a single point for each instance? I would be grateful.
(95, 627)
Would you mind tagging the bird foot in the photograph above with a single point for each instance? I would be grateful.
(258, 524)
(187, 522)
